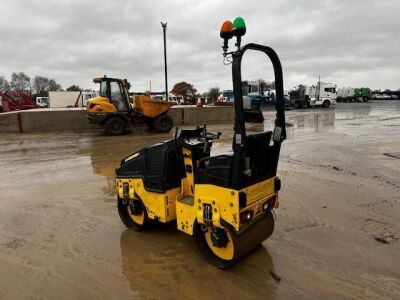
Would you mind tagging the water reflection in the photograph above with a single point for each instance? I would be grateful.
(317, 121)
(310, 120)
(353, 112)
(106, 152)
(164, 263)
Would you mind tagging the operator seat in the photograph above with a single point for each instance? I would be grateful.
(217, 170)
(259, 152)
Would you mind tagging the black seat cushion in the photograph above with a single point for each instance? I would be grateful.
(215, 170)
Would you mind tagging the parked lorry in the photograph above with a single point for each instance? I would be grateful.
(252, 111)
(62, 99)
(300, 96)
(225, 97)
(84, 96)
(322, 94)
(252, 89)
(349, 94)
(270, 97)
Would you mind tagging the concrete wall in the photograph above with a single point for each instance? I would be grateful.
(75, 118)
(55, 120)
(62, 99)
(9, 122)
(192, 115)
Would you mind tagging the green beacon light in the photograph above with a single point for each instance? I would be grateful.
(239, 27)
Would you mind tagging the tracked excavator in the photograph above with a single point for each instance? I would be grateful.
(226, 201)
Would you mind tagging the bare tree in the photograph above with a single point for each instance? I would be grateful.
(271, 85)
(263, 84)
(4, 84)
(76, 88)
(20, 82)
(40, 84)
(54, 86)
(266, 85)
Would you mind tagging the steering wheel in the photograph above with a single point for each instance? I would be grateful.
(209, 135)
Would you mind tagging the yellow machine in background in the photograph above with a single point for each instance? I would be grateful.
(115, 110)
(225, 202)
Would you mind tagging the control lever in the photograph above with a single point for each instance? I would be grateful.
(247, 170)
(176, 132)
(205, 148)
(176, 135)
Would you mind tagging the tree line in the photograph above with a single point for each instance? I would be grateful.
(38, 85)
(41, 85)
(187, 90)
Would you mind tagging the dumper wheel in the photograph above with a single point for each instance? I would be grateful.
(132, 213)
(223, 246)
(115, 126)
(150, 124)
(163, 123)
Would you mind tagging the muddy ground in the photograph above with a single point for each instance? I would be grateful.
(337, 231)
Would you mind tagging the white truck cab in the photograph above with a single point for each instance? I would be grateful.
(84, 97)
(42, 102)
(323, 94)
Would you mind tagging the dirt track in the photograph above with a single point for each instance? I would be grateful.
(337, 232)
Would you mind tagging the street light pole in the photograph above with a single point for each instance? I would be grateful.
(164, 27)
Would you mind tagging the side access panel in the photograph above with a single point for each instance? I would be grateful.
(185, 213)
(160, 207)
(224, 203)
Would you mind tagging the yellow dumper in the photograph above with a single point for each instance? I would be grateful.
(117, 111)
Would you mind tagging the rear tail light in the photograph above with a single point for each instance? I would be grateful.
(270, 203)
(246, 216)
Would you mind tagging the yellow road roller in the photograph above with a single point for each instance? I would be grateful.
(116, 111)
(225, 201)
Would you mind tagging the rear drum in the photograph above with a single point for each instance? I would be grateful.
(223, 247)
(132, 213)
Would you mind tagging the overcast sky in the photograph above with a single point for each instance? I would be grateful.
(349, 43)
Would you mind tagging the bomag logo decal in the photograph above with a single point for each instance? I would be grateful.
(258, 191)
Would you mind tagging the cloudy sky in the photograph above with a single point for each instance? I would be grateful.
(350, 43)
